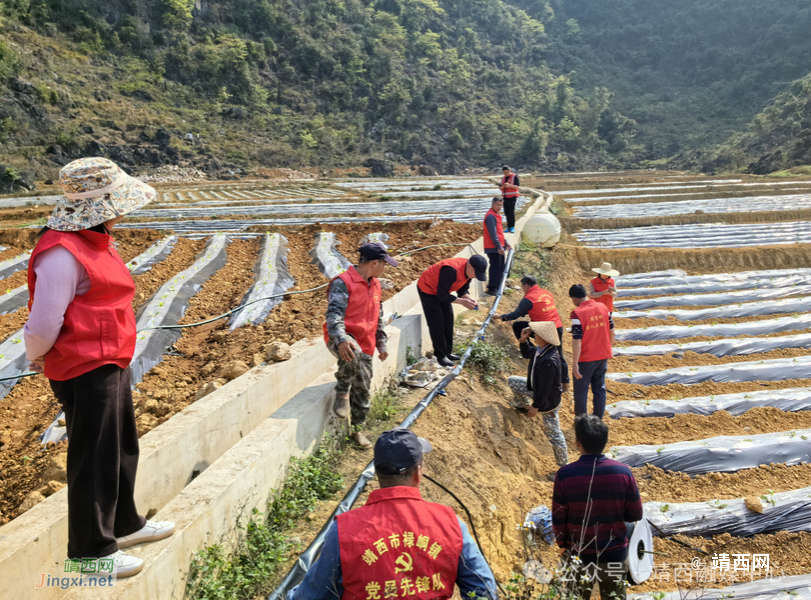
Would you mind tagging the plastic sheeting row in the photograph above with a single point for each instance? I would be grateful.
(674, 332)
(782, 511)
(686, 207)
(326, 257)
(720, 299)
(725, 454)
(679, 282)
(795, 587)
(779, 369)
(701, 235)
(787, 400)
(271, 278)
(168, 306)
(752, 309)
(728, 347)
(209, 227)
(672, 186)
(326, 208)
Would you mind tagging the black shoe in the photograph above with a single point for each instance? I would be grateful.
(488, 293)
(454, 357)
(443, 361)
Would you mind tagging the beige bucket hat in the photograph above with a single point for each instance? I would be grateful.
(96, 190)
(605, 269)
(546, 331)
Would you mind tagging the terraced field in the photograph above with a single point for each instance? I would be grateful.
(710, 384)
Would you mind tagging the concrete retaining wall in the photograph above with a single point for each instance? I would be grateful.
(190, 442)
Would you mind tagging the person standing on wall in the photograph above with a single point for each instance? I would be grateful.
(495, 246)
(397, 545)
(435, 287)
(592, 338)
(81, 334)
(509, 191)
(353, 329)
(592, 499)
(602, 288)
(540, 390)
(539, 304)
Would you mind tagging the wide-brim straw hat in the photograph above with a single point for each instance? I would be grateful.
(546, 330)
(96, 190)
(605, 269)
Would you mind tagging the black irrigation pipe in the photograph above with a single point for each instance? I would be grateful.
(310, 555)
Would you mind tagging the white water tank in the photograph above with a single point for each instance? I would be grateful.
(543, 229)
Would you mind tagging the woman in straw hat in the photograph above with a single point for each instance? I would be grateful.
(81, 334)
(540, 390)
(602, 288)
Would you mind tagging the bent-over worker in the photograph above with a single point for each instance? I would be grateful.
(592, 499)
(397, 545)
(592, 338)
(435, 286)
(495, 246)
(602, 288)
(540, 390)
(353, 329)
(539, 304)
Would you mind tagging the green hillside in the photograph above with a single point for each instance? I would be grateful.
(776, 140)
(291, 83)
(689, 72)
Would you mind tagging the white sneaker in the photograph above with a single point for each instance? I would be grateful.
(125, 565)
(151, 532)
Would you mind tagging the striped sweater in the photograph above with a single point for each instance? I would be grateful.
(601, 494)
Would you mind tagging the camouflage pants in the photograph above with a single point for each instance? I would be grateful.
(354, 377)
(522, 398)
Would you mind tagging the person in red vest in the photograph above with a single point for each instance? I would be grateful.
(495, 246)
(539, 305)
(509, 191)
(602, 288)
(353, 329)
(397, 545)
(81, 334)
(435, 287)
(592, 338)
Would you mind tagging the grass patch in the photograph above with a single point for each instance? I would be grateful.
(534, 261)
(250, 566)
(384, 406)
(488, 359)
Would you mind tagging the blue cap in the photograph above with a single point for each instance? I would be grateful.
(397, 450)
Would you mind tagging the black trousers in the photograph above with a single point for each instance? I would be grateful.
(439, 317)
(496, 272)
(102, 460)
(509, 210)
(519, 326)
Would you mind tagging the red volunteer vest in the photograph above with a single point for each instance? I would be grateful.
(429, 279)
(596, 342)
(511, 181)
(488, 242)
(398, 545)
(363, 310)
(543, 306)
(601, 286)
(99, 326)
